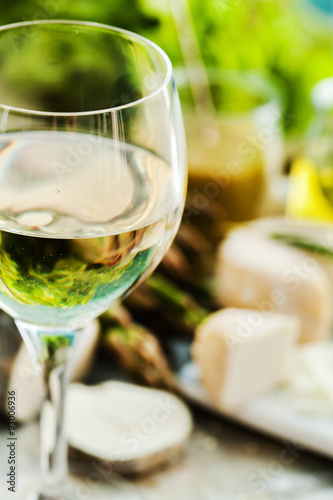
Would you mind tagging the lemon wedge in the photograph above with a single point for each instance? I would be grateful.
(305, 197)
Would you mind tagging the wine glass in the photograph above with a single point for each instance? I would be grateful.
(92, 187)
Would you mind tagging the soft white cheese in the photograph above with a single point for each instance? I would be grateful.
(243, 353)
(257, 272)
(309, 382)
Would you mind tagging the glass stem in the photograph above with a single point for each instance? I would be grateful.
(52, 351)
(53, 445)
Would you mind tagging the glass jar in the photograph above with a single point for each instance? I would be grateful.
(234, 150)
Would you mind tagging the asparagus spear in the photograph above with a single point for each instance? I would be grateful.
(190, 259)
(137, 349)
(160, 299)
(177, 300)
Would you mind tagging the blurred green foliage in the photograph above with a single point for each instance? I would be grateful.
(57, 69)
(273, 36)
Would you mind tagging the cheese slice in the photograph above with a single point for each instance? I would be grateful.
(243, 353)
(257, 272)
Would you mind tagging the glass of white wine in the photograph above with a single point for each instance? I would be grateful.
(92, 187)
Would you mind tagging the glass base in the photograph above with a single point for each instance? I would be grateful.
(84, 483)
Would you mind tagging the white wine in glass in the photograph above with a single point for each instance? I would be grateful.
(92, 187)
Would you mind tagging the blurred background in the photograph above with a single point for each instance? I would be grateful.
(259, 145)
(288, 40)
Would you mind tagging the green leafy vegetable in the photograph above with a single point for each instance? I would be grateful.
(278, 37)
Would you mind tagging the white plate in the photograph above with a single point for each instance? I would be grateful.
(272, 414)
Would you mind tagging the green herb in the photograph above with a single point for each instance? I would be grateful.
(304, 243)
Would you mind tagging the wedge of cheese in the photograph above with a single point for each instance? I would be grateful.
(257, 272)
(243, 353)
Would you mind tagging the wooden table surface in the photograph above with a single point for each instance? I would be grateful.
(223, 462)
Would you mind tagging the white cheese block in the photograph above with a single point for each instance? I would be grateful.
(257, 272)
(243, 353)
(320, 233)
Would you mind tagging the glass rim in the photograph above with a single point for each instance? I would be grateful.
(145, 41)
